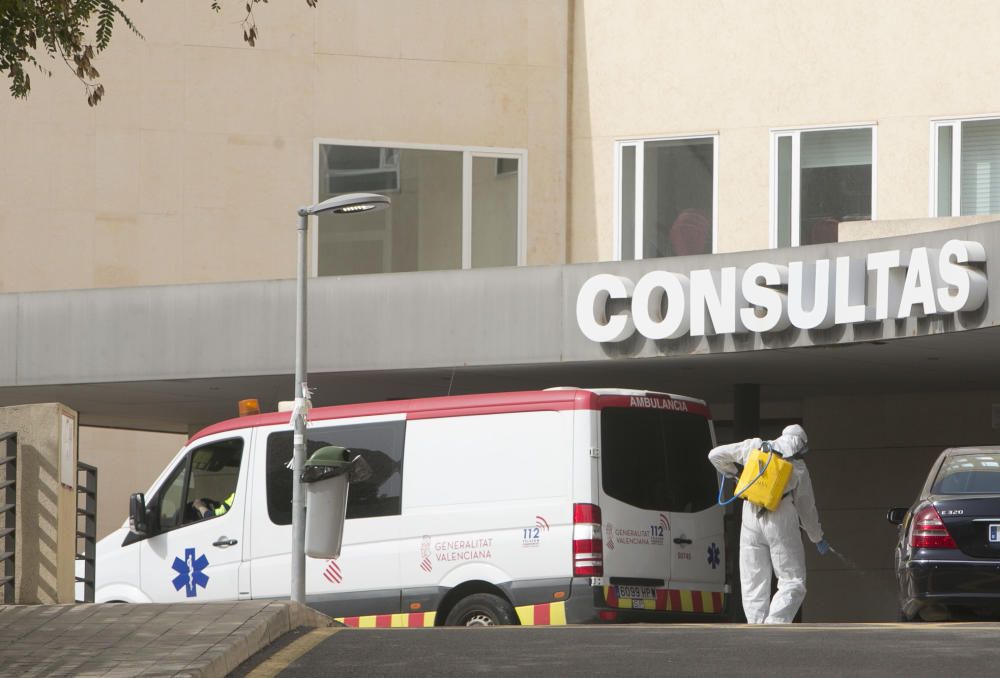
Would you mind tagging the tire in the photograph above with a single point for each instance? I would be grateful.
(481, 609)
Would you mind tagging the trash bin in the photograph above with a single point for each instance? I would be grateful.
(326, 480)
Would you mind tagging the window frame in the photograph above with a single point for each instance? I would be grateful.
(468, 153)
(639, 144)
(795, 133)
(955, 123)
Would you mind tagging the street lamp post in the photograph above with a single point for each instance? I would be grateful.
(349, 203)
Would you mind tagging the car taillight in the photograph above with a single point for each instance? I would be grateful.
(928, 531)
(588, 551)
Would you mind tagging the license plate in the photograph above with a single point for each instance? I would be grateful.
(640, 592)
(994, 533)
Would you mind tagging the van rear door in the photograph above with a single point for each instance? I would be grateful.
(662, 527)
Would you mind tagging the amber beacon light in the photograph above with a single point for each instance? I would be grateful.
(249, 406)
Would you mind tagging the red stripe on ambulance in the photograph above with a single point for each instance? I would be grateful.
(661, 599)
(542, 617)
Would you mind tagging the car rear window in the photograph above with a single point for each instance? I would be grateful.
(973, 473)
(657, 459)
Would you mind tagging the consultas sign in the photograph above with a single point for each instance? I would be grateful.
(766, 297)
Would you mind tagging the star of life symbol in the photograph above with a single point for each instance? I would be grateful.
(713, 555)
(189, 572)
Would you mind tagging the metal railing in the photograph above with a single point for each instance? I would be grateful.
(8, 490)
(86, 516)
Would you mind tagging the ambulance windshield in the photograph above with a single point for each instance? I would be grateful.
(657, 459)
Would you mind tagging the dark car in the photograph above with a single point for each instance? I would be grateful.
(948, 552)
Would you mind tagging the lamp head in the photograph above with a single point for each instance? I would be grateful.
(348, 203)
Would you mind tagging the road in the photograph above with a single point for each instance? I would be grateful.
(798, 650)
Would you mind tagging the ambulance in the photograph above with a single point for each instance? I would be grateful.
(559, 506)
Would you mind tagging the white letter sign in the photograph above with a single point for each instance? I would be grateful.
(766, 297)
(591, 308)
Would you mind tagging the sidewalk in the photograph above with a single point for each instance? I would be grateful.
(186, 639)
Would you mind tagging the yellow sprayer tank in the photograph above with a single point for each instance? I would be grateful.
(766, 490)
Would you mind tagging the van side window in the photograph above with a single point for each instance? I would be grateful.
(209, 473)
(380, 444)
(657, 459)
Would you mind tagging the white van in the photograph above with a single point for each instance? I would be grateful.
(561, 506)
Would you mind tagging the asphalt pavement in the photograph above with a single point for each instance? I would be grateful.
(795, 650)
(263, 639)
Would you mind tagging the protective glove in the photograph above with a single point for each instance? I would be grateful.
(823, 546)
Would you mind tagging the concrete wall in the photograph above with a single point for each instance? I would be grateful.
(192, 167)
(886, 228)
(495, 317)
(869, 454)
(127, 462)
(46, 523)
(666, 68)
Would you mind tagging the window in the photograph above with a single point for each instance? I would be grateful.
(452, 208)
(354, 169)
(965, 176)
(819, 179)
(171, 499)
(657, 460)
(209, 473)
(974, 473)
(666, 198)
(379, 444)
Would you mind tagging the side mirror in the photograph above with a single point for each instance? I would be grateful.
(137, 514)
(896, 515)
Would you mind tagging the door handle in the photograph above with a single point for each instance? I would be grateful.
(682, 540)
(224, 542)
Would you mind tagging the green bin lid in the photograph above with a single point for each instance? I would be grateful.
(331, 455)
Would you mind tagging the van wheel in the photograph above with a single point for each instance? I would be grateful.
(481, 609)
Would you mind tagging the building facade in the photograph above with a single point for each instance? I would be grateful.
(528, 147)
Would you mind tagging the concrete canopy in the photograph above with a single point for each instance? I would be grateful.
(173, 358)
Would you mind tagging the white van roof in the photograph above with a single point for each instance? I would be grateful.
(560, 398)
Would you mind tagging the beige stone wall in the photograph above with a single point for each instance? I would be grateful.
(665, 68)
(192, 168)
(127, 462)
(886, 228)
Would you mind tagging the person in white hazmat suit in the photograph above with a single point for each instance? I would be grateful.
(770, 540)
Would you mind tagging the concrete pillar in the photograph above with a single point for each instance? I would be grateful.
(746, 411)
(46, 501)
